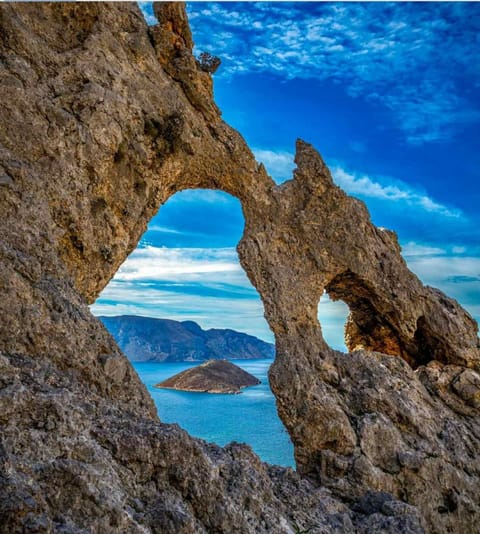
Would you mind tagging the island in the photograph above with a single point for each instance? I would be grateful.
(212, 376)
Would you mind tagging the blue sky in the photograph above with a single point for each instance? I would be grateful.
(390, 96)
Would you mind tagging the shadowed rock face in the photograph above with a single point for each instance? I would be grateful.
(214, 376)
(101, 121)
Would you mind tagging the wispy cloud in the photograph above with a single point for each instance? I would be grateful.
(457, 276)
(417, 249)
(163, 229)
(390, 190)
(412, 58)
(209, 287)
(205, 196)
(172, 231)
(183, 264)
(280, 164)
(204, 285)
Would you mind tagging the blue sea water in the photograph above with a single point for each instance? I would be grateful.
(250, 417)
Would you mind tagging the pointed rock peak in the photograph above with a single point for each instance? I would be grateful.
(173, 17)
(310, 165)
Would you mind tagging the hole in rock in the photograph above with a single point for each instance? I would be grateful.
(333, 316)
(368, 328)
(174, 303)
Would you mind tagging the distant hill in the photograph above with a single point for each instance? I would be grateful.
(212, 376)
(145, 339)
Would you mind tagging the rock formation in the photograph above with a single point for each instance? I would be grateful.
(213, 376)
(160, 340)
(101, 120)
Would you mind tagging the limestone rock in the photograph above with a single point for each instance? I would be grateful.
(212, 376)
(394, 414)
(103, 119)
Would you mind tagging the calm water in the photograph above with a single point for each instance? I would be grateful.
(250, 417)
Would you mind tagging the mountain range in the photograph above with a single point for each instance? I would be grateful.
(145, 339)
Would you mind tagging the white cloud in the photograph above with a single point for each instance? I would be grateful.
(364, 186)
(183, 264)
(209, 286)
(164, 229)
(442, 268)
(279, 164)
(172, 231)
(203, 285)
(415, 249)
(458, 277)
(207, 196)
(415, 58)
(147, 11)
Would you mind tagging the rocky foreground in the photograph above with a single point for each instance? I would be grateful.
(102, 119)
(214, 376)
(145, 339)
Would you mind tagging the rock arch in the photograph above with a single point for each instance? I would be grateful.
(101, 131)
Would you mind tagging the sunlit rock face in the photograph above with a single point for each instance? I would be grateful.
(103, 119)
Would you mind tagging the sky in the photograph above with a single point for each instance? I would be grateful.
(389, 93)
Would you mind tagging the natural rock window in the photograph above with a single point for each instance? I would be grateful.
(181, 299)
(333, 317)
(87, 161)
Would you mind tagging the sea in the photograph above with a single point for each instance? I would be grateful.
(249, 417)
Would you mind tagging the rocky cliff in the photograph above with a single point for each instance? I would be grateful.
(159, 340)
(213, 376)
(101, 120)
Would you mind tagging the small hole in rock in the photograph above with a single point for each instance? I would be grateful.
(333, 316)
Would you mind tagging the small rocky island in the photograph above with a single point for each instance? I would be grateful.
(213, 376)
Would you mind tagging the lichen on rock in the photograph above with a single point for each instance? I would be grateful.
(102, 119)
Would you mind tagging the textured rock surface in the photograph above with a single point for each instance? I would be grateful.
(101, 120)
(365, 419)
(214, 376)
(159, 340)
